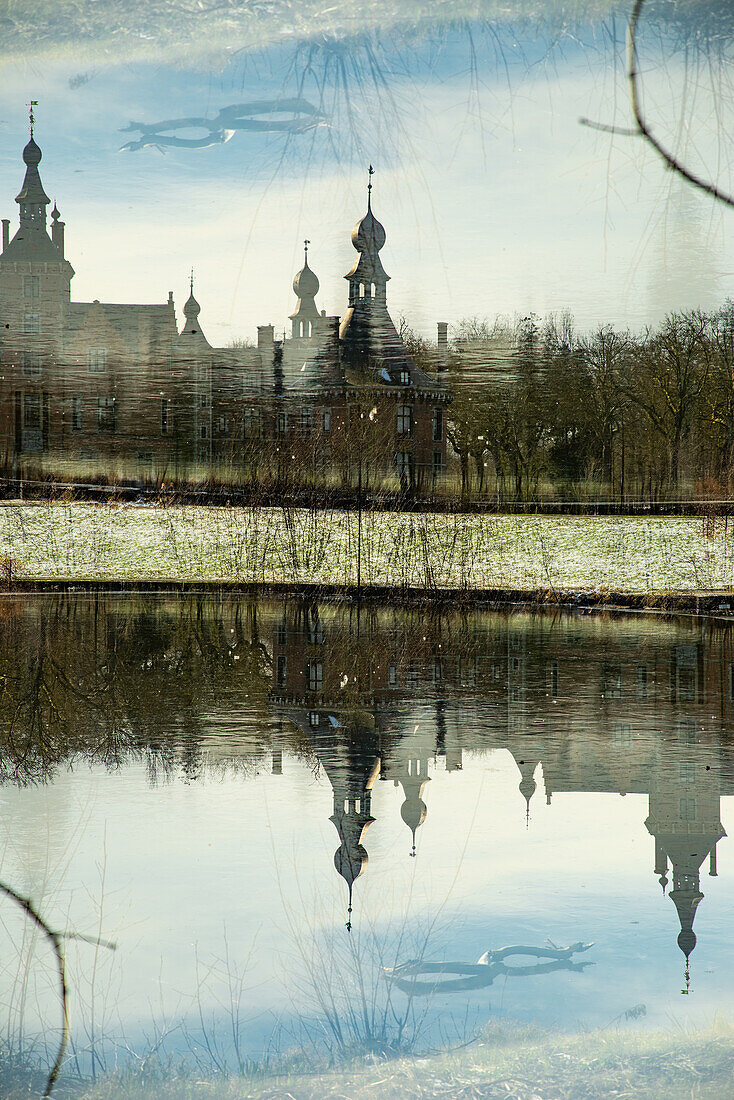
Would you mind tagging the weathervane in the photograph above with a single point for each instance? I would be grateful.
(33, 103)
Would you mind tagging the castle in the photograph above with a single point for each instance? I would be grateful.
(119, 391)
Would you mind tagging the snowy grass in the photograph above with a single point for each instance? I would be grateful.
(131, 543)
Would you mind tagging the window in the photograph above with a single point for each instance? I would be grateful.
(315, 630)
(280, 670)
(106, 414)
(437, 425)
(203, 431)
(96, 360)
(32, 412)
(165, 408)
(315, 675)
(437, 465)
(392, 676)
(404, 377)
(314, 718)
(76, 413)
(31, 324)
(326, 420)
(404, 420)
(687, 772)
(402, 464)
(306, 419)
(251, 424)
(31, 364)
(31, 286)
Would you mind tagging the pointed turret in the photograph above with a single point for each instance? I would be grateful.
(305, 287)
(191, 330)
(32, 243)
(370, 342)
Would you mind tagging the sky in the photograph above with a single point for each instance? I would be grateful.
(495, 199)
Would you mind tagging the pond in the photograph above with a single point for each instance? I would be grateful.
(283, 815)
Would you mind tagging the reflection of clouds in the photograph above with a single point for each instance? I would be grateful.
(260, 116)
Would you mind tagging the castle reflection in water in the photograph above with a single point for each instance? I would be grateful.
(603, 704)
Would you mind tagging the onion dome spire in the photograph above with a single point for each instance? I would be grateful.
(305, 287)
(191, 309)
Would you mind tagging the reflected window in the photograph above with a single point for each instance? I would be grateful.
(314, 718)
(31, 286)
(31, 324)
(687, 772)
(32, 412)
(305, 419)
(687, 809)
(552, 679)
(280, 670)
(32, 366)
(405, 377)
(392, 676)
(251, 424)
(96, 360)
(106, 414)
(687, 684)
(165, 405)
(612, 681)
(76, 413)
(326, 420)
(315, 675)
(731, 683)
(281, 633)
(641, 681)
(281, 423)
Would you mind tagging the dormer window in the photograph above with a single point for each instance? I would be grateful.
(404, 377)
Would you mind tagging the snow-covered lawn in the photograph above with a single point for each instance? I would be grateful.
(128, 542)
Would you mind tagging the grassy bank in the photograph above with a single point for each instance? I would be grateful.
(87, 542)
(506, 1063)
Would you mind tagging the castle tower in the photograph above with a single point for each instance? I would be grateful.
(370, 341)
(35, 277)
(305, 287)
(685, 820)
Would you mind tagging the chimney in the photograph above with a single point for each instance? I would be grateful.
(265, 337)
(6, 232)
(57, 236)
(170, 297)
(443, 345)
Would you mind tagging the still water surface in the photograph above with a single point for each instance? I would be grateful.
(203, 782)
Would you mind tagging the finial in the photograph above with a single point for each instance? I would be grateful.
(687, 974)
(305, 250)
(349, 910)
(191, 281)
(33, 103)
(369, 187)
